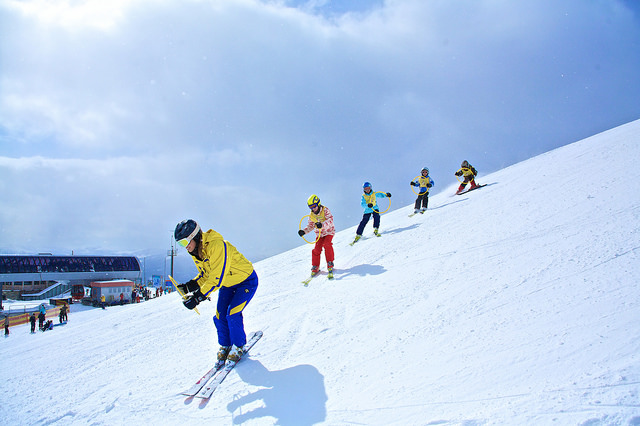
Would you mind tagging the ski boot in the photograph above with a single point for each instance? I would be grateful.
(314, 270)
(223, 353)
(356, 239)
(235, 354)
(422, 210)
(330, 269)
(375, 231)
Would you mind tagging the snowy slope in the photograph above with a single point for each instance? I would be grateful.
(515, 304)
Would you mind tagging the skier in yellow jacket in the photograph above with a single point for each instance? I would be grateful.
(220, 267)
(469, 173)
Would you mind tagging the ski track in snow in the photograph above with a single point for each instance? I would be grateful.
(517, 303)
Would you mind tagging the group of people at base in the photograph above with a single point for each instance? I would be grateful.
(48, 324)
(222, 268)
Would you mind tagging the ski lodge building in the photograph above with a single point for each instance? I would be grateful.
(45, 276)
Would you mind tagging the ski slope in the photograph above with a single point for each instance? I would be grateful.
(515, 304)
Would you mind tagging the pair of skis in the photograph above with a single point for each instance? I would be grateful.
(208, 383)
(470, 189)
(308, 280)
(415, 213)
(377, 234)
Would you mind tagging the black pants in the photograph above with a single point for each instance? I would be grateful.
(422, 199)
(365, 220)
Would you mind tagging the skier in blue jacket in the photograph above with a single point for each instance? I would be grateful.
(424, 182)
(369, 202)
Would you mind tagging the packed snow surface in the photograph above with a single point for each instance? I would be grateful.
(517, 303)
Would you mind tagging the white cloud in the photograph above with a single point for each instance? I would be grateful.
(227, 106)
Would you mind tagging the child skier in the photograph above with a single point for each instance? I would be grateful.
(370, 204)
(424, 182)
(220, 267)
(469, 173)
(320, 220)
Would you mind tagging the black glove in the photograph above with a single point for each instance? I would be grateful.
(189, 287)
(429, 185)
(458, 173)
(301, 232)
(369, 205)
(318, 225)
(413, 183)
(388, 194)
(193, 300)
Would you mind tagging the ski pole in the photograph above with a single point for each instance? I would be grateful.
(175, 284)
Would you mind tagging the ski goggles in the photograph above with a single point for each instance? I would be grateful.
(185, 241)
(313, 206)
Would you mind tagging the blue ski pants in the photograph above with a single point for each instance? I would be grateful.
(365, 220)
(231, 302)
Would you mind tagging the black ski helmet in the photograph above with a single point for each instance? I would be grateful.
(424, 169)
(186, 231)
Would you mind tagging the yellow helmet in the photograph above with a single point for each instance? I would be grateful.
(313, 200)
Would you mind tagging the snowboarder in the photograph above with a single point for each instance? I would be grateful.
(320, 220)
(424, 182)
(469, 173)
(370, 204)
(220, 267)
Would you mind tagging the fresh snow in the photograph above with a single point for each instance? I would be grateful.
(515, 304)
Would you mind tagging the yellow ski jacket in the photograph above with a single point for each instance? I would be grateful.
(221, 265)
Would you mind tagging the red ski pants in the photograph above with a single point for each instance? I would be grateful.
(326, 243)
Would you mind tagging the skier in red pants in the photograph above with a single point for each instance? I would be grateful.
(469, 173)
(321, 220)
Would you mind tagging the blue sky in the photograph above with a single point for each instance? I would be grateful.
(119, 119)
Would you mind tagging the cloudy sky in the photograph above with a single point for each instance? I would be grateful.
(118, 119)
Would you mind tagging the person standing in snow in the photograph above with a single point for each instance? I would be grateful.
(320, 220)
(63, 313)
(469, 173)
(220, 267)
(41, 318)
(424, 183)
(32, 320)
(370, 204)
(6, 325)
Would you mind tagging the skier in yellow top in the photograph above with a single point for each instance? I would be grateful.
(424, 183)
(469, 173)
(220, 267)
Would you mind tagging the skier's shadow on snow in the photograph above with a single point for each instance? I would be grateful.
(294, 396)
(398, 230)
(361, 270)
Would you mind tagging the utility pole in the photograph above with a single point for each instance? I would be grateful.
(173, 252)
